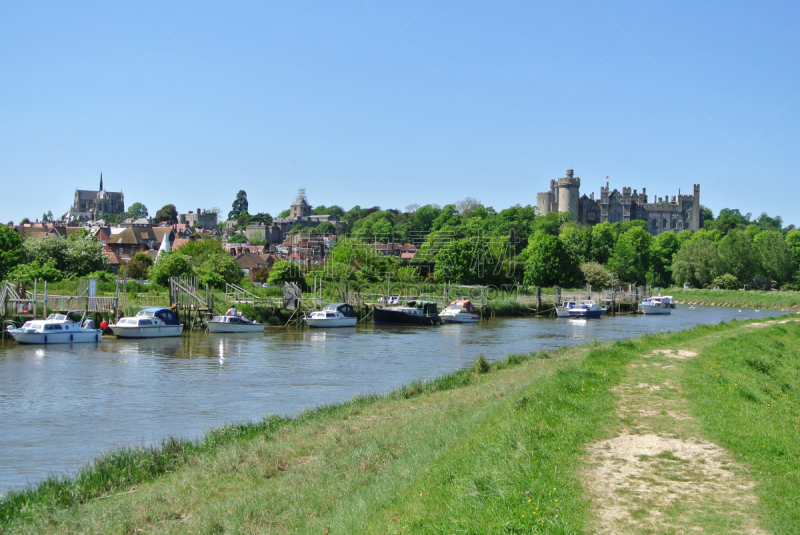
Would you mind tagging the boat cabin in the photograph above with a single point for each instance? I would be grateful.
(151, 316)
(236, 320)
(342, 308)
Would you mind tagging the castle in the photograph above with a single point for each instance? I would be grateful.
(92, 205)
(662, 215)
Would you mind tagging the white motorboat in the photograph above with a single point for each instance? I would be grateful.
(149, 323)
(657, 305)
(55, 329)
(460, 311)
(233, 324)
(333, 315)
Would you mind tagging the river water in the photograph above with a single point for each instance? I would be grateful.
(60, 406)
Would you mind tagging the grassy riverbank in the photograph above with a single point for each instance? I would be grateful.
(737, 298)
(496, 448)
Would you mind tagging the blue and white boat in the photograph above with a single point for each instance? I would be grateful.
(586, 309)
(55, 329)
(149, 323)
(657, 305)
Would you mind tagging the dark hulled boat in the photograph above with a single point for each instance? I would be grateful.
(413, 313)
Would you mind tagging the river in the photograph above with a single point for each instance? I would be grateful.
(60, 406)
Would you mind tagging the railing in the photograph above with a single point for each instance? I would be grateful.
(147, 301)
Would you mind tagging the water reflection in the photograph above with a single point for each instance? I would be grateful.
(62, 405)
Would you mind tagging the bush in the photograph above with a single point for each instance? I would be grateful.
(481, 365)
(726, 282)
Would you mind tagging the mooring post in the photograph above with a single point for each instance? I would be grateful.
(45, 299)
(35, 281)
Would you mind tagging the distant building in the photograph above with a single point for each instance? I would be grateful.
(201, 218)
(91, 205)
(679, 213)
(300, 214)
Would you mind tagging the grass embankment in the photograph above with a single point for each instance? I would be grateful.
(495, 449)
(745, 391)
(782, 300)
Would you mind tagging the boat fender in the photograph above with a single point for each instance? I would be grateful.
(45, 339)
(70, 337)
(95, 338)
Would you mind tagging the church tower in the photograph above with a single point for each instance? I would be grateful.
(101, 182)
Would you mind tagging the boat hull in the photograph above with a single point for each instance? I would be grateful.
(586, 313)
(459, 318)
(654, 311)
(233, 327)
(331, 322)
(155, 331)
(72, 337)
(385, 316)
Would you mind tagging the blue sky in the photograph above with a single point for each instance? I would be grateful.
(386, 103)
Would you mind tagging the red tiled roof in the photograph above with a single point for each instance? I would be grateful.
(113, 259)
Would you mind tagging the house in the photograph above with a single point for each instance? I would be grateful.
(132, 240)
(395, 249)
(254, 265)
(113, 261)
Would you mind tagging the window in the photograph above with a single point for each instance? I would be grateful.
(653, 224)
(665, 224)
(674, 223)
(680, 225)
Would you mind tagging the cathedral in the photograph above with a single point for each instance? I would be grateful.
(92, 205)
(664, 214)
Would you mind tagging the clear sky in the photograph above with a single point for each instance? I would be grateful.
(391, 103)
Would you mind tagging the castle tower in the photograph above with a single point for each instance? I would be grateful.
(694, 211)
(569, 194)
(300, 207)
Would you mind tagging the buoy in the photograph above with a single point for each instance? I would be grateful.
(103, 324)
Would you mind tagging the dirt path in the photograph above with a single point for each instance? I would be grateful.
(657, 474)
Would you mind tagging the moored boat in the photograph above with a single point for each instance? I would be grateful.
(413, 313)
(55, 329)
(149, 323)
(233, 324)
(333, 315)
(657, 305)
(460, 311)
(563, 310)
(586, 309)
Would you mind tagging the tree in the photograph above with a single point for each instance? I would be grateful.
(286, 271)
(776, 258)
(707, 214)
(549, 263)
(139, 266)
(47, 217)
(596, 274)
(34, 270)
(698, 263)
(326, 227)
(602, 242)
(662, 250)
(631, 257)
(170, 264)
(467, 206)
(737, 252)
(218, 269)
(137, 211)
(239, 206)
(237, 238)
(84, 256)
(283, 213)
(726, 282)
(25, 221)
(257, 238)
(261, 217)
(167, 213)
(48, 248)
(12, 252)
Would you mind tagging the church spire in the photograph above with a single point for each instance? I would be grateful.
(101, 181)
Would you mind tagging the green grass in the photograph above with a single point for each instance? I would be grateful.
(745, 394)
(783, 300)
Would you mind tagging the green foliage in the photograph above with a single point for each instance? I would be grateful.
(777, 259)
(136, 211)
(170, 264)
(326, 227)
(662, 250)
(34, 270)
(726, 282)
(481, 365)
(476, 260)
(168, 212)
(257, 238)
(239, 206)
(698, 263)
(139, 266)
(284, 213)
(596, 274)
(631, 257)
(738, 254)
(12, 252)
(237, 238)
(286, 271)
(549, 263)
(406, 274)
(217, 269)
(85, 255)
